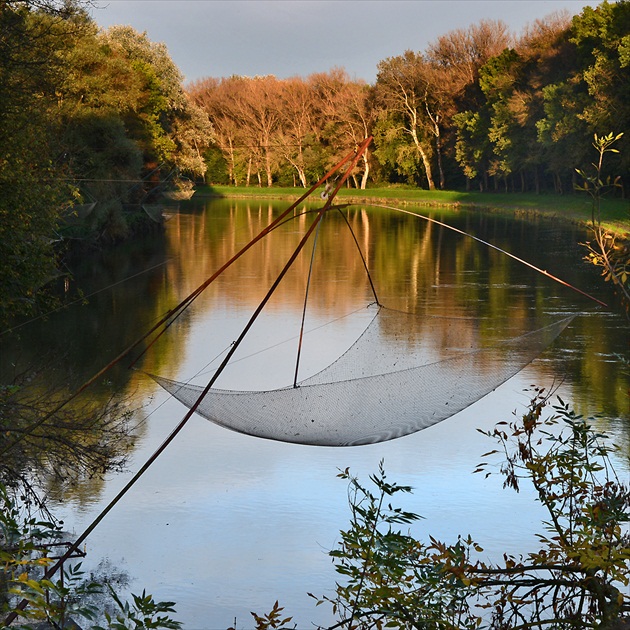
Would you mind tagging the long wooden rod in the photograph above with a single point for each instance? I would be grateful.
(79, 541)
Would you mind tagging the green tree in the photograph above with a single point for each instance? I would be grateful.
(593, 95)
(32, 186)
(602, 35)
(473, 149)
(457, 102)
(169, 128)
(497, 80)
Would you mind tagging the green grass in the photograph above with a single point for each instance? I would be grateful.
(615, 213)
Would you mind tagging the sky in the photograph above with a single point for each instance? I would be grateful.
(220, 38)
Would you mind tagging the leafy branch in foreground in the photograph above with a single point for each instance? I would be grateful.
(573, 581)
(391, 579)
(609, 251)
(26, 544)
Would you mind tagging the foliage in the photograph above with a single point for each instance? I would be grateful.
(272, 620)
(600, 35)
(26, 543)
(89, 115)
(391, 579)
(271, 130)
(145, 612)
(472, 148)
(610, 252)
(573, 581)
(478, 103)
(85, 116)
(403, 86)
(42, 440)
(55, 601)
(30, 191)
(576, 576)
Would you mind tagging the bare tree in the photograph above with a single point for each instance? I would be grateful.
(258, 111)
(220, 99)
(297, 123)
(346, 112)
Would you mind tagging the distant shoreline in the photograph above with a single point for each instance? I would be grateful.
(574, 207)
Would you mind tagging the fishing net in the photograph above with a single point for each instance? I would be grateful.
(396, 379)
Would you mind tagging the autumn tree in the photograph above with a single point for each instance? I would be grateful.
(296, 129)
(460, 53)
(456, 59)
(219, 99)
(346, 113)
(299, 126)
(545, 55)
(258, 111)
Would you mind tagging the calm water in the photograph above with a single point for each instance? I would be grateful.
(225, 524)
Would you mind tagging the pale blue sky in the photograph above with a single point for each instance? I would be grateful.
(298, 37)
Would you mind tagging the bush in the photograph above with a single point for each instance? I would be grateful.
(573, 581)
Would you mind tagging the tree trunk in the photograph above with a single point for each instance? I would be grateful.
(425, 160)
(232, 164)
(268, 166)
(366, 171)
(438, 152)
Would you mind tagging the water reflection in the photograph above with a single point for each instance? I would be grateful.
(415, 266)
(224, 524)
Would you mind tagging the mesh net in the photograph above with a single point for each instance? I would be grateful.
(388, 384)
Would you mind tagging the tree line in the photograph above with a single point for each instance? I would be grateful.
(99, 121)
(479, 108)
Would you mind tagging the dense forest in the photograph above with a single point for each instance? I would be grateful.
(98, 123)
(90, 121)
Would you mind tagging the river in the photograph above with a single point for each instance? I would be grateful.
(223, 523)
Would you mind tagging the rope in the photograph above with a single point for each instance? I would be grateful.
(308, 285)
(365, 265)
(502, 251)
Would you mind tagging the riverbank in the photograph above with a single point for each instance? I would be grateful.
(615, 213)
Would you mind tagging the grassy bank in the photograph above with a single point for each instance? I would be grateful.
(573, 207)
